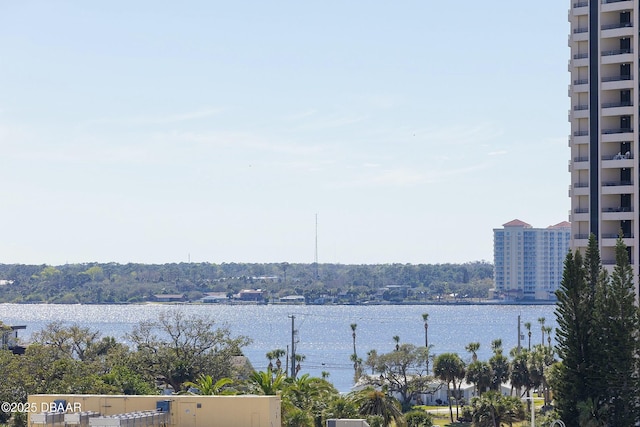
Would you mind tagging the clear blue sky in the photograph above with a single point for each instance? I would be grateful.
(153, 131)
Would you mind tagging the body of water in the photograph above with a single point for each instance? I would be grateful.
(324, 332)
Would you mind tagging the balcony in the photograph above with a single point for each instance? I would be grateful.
(617, 104)
(616, 183)
(614, 26)
(581, 236)
(616, 30)
(615, 236)
(617, 56)
(581, 210)
(579, 8)
(580, 189)
(616, 78)
(575, 166)
(619, 156)
(579, 112)
(617, 109)
(616, 187)
(618, 209)
(617, 82)
(581, 133)
(612, 131)
(580, 159)
(612, 52)
(615, 5)
(581, 56)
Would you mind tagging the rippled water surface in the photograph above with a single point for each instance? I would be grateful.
(324, 331)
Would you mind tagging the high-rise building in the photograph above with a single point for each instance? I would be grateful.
(604, 125)
(528, 262)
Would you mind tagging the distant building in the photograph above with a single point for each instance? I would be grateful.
(293, 299)
(250, 295)
(528, 262)
(169, 298)
(9, 338)
(215, 297)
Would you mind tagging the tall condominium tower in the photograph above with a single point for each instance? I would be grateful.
(528, 262)
(604, 125)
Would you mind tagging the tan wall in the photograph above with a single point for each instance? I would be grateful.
(186, 410)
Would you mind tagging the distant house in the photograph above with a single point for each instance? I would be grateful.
(170, 298)
(293, 299)
(214, 297)
(9, 339)
(436, 392)
(250, 295)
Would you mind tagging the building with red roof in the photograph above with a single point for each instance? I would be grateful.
(528, 262)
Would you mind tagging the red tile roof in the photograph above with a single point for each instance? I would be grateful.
(516, 223)
(562, 224)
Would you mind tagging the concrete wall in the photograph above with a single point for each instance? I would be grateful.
(186, 410)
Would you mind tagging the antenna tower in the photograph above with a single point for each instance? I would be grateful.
(315, 259)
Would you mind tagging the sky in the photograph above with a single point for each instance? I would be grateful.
(255, 131)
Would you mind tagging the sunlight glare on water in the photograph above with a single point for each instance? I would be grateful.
(324, 332)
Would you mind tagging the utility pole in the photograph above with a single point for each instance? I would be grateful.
(293, 346)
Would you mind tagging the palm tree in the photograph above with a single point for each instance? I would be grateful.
(396, 338)
(519, 374)
(375, 402)
(353, 334)
(266, 382)
(448, 367)
(496, 346)
(548, 330)
(308, 394)
(425, 318)
(473, 348)
(541, 321)
(299, 358)
(354, 357)
(270, 358)
(207, 387)
(479, 374)
(357, 362)
(527, 326)
(372, 359)
(493, 409)
(277, 354)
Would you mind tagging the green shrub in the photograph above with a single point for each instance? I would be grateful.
(418, 418)
(375, 421)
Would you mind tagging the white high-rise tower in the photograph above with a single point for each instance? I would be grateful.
(604, 120)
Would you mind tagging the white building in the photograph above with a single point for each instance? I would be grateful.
(603, 89)
(528, 262)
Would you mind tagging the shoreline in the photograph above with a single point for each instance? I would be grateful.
(373, 303)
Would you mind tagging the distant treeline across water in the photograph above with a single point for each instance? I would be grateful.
(324, 332)
(132, 283)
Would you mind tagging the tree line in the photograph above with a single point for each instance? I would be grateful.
(131, 283)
